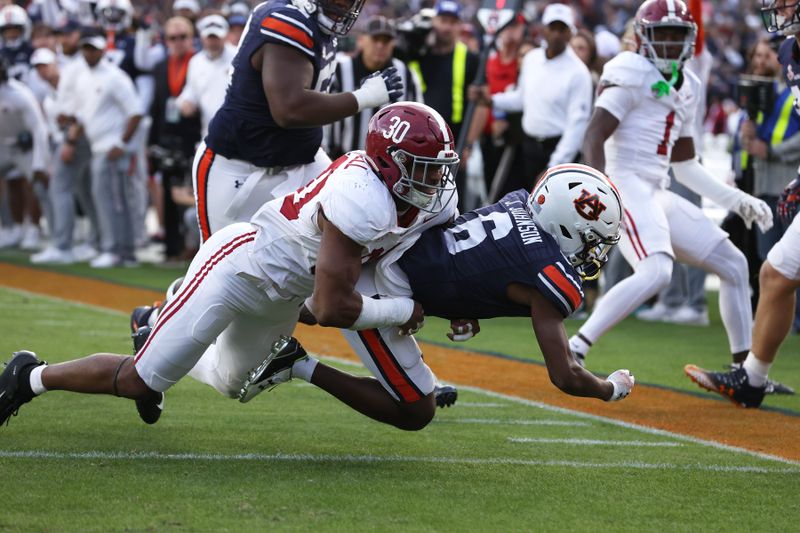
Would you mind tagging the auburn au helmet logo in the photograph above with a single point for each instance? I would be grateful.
(588, 205)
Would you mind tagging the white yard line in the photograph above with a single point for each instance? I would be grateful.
(514, 422)
(324, 458)
(594, 442)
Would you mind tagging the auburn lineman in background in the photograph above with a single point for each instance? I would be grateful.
(265, 140)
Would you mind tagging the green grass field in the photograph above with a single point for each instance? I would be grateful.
(295, 459)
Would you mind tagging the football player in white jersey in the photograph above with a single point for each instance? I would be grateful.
(245, 287)
(641, 126)
(779, 277)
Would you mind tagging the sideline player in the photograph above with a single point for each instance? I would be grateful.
(508, 259)
(644, 119)
(244, 288)
(264, 141)
(779, 278)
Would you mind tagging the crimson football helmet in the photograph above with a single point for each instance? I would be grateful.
(582, 210)
(781, 16)
(655, 14)
(413, 151)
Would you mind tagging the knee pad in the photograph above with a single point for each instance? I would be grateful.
(658, 268)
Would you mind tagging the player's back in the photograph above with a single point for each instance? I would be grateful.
(649, 124)
(244, 128)
(463, 270)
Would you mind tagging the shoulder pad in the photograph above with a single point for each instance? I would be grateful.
(626, 70)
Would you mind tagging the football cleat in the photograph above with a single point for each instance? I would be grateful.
(15, 387)
(772, 387)
(446, 395)
(733, 385)
(276, 368)
(150, 408)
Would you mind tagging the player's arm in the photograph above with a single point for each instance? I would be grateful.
(688, 170)
(335, 302)
(601, 126)
(287, 74)
(564, 371)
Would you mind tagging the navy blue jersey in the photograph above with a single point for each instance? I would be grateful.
(19, 60)
(463, 270)
(243, 128)
(122, 55)
(789, 56)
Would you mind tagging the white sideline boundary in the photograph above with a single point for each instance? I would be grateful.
(595, 442)
(492, 394)
(376, 459)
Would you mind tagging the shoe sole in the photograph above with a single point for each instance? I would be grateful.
(446, 399)
(698, 375)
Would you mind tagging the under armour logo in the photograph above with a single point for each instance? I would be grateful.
(237, 183)
(589, 205)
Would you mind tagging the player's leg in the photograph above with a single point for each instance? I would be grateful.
(645, 245)
(700, 242)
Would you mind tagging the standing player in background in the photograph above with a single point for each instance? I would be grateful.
(779, 278)
(645, 109)
(265, 140)
(15, 35)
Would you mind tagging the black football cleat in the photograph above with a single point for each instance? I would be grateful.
(775, 387)
(149, 408)
(446, 395)
(276, 368)
(733, 385)
(15, 389)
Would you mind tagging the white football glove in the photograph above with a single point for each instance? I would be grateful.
(751, 209)
(463, 330)
(379, 88)
(623, 382)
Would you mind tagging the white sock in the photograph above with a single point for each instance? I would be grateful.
(578, 345)
(304, 368)
(756, 369)
(36, 380)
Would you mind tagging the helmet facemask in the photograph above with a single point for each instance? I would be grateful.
(335, 18)
(777, 22)
(590, 259)
(418, 184)
(114, 18)
(660, 52)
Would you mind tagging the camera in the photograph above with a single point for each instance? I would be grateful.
(755, 94)
(170, 162)
(414, 35)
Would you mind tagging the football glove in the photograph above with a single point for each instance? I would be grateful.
(623, 381)
(751, 209)
(789, 200)
(463, 330)
(379, 88)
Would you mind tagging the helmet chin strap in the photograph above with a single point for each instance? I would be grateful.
(662, 87)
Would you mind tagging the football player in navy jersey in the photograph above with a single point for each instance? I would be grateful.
(522, 256)
(15, 44)
(265, 140)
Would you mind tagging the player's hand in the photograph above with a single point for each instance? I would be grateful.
(623, 381)
(789, 201)
(415, 323)
(41, 176)
(751, 209)
(463, 329)
(379, 88)
(115, 153)
(67, 153)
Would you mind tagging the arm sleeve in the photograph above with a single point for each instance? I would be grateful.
(616, 100)
(288, 26)
(560, 287)
(126, 96)
(695, 176)
(580, 105)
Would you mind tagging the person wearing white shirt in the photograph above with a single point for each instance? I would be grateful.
(108, 113)
(209, 71)
(24, 153)
(554, 93)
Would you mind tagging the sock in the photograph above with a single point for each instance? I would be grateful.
(36, 380)
(757, 370)
(579, 344)
(304, 368)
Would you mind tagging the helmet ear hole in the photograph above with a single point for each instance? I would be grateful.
(565, 232)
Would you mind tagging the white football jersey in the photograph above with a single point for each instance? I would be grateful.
(353, 198)
(649, 124)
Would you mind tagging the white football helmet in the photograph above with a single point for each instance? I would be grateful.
(115, 15)
(582, 210)
(14, 16)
